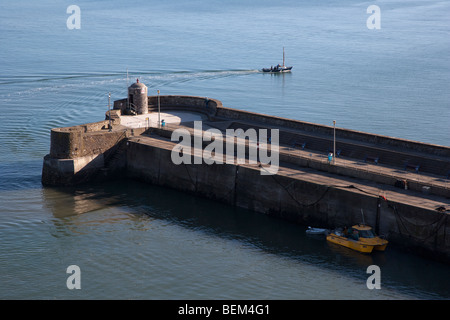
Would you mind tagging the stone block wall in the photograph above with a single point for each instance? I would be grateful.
(400, 144)
(292, 198)
(80, 141)
(170, 102)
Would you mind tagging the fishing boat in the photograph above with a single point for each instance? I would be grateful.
(278, 68)
(359, 237)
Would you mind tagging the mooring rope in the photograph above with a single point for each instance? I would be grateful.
(439, 223)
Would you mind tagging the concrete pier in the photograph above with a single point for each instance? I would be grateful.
(401, 186)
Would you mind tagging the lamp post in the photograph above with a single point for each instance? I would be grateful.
(109, 110)
(159, 112)
(334, 141)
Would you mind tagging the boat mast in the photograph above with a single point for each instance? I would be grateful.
(283, 57)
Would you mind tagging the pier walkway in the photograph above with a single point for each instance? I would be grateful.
(423, 190)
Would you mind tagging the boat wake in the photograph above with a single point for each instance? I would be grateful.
(57, 78)
(167, 78)
(70, 99)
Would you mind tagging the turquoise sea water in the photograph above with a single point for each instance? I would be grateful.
(134, 241)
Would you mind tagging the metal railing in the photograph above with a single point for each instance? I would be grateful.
(132, 107)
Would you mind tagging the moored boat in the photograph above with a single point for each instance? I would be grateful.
(359, 237)
(320, 231)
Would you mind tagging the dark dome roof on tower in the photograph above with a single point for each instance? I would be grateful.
(137, 84)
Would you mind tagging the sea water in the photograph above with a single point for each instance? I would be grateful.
(136, 241)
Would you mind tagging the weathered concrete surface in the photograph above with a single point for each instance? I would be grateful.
(71, 171)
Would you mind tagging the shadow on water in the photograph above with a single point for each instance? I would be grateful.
(401, 271)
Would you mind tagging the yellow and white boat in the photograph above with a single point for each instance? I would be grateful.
(360, 238)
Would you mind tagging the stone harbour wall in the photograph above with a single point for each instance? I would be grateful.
(89, 152)
(298, 200)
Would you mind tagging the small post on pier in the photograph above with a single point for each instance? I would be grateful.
(128, 95)
(109, 110)
(334, 141)
(377, 218)
(159, 112)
